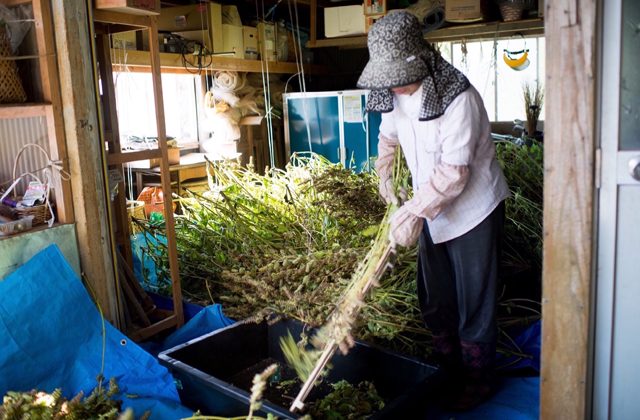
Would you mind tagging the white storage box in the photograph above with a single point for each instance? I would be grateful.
(344, 21)
(233, 39)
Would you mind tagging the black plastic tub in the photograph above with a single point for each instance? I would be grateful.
(200, 366)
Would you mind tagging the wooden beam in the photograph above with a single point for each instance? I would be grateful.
(165, 175)
(51, 94)
(13, 3)
(144, 69)
(568, 208)
(86, 164)
(105, 16)
(154, 329)
(314, 23)
(23, 110)
(126, 157)
(475, 31)
(137, 59)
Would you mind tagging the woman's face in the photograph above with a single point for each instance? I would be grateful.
(408, 89)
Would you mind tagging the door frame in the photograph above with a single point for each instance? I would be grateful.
(569, 203)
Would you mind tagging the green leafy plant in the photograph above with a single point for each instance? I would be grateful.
(347, 401)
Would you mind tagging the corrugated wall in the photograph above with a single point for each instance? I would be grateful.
(15, 133)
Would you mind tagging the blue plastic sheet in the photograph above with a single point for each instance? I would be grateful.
(51, 337)
(199, 321)
(189, 310)
(517, 399)
(143, 266)
(527, 342)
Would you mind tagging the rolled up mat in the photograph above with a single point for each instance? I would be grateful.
(433, 20)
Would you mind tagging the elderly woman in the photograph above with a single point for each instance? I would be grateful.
(457, 210)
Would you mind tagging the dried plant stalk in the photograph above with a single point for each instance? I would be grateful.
(533, 101)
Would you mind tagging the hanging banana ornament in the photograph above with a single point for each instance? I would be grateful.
(511, 57)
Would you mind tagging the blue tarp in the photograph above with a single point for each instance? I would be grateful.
(51, 337)
(143, 266)
(199, 321)
(517, 399)
(527, 341)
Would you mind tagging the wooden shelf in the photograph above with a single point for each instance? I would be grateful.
(472, 31)
(107, 16)
(140, 61)
(23, 110)
(32, 230)
(305, 3)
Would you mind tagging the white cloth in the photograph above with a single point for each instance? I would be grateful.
(461, 137)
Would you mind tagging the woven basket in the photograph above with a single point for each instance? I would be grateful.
(135, 209)
(11, 90)
(510, 13)
(40, 212)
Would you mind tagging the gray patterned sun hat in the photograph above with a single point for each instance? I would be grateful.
(400, 56)
(395, 46)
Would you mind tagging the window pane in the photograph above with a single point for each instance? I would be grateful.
(136, 106)
(476, 65)
(630, 83)
(483, 73)
(510, 81)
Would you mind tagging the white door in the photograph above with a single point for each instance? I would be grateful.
(616, 378)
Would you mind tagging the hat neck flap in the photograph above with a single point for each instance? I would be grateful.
(439, 88)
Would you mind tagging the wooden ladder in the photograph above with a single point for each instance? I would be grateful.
(107, 23)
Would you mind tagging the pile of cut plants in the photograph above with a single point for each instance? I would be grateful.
(289, 241)
(100, 404)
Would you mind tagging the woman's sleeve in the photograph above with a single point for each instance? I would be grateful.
(460, 131)
(387, 142)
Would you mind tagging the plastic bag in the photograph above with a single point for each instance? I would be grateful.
(18, 20)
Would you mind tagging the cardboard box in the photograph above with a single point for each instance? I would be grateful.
(370, 21)
(173, 155)
(250, 40)
(343, 21)
(145, 41)
(267, 41)
(231, 16)
(233, 40)
(466, 10)
(124, 40)
(197, 17)
(130, 7)
(201, 36)
(375, 7)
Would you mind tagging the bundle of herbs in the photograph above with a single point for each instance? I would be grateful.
(39, 405)
(289, 242)
(522, 166)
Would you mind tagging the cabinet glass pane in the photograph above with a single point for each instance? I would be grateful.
(630, 81)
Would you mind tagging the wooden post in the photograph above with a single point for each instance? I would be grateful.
(165, 175)
(85, 152)
(110, 123)
(314, 23)
(51, 94)
(569, 192)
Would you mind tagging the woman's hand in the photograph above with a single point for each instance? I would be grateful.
(387, 194)
(405, 227)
